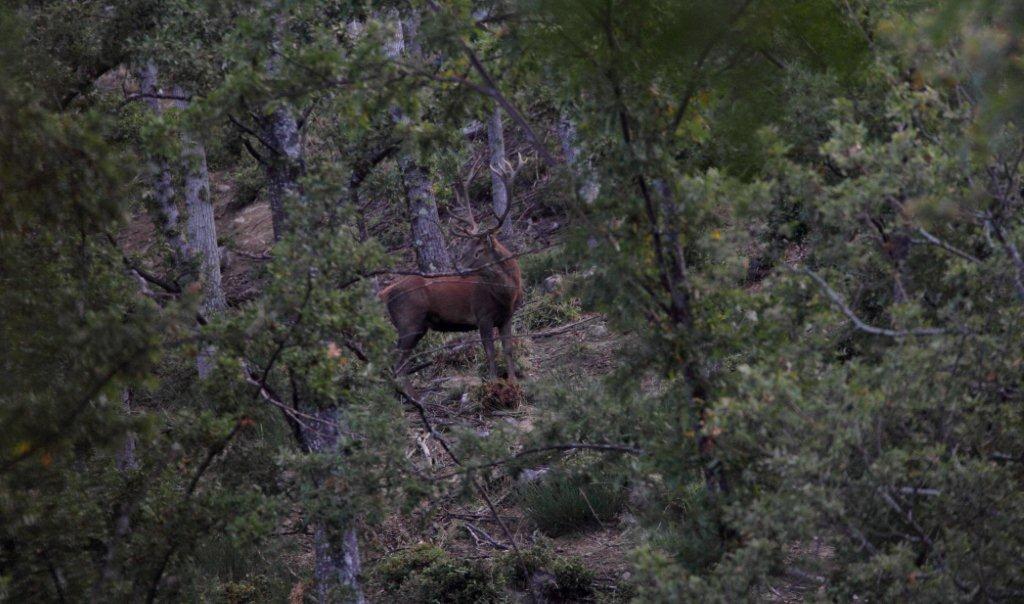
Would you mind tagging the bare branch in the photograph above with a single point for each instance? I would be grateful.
(138, 96)
(422, 411)
(168, 286)
(1012, 251)
(933, 240)
(270, 146)
(838, 302)
(252, 151)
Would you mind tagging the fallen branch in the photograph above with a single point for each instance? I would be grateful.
(422, 411)
(605, 447)
(525, 336)
(478, 533)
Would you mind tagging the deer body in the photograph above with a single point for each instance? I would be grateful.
(485, 299)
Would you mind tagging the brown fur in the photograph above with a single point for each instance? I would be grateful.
(483, 300)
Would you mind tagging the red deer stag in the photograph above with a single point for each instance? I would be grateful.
(483, 296)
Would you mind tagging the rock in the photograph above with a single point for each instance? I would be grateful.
(529, 475)
(552, 284)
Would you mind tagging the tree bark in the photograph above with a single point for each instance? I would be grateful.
(285, 164)
(126, 460)
(499, 190)
(587, 186)
(424, 221)
(164, 209)
(425, 224)
(202, 232)
(336, 549)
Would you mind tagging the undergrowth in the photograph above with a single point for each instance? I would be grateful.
(426, 573)
(562, 505)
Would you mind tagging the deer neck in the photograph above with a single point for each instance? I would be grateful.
(503, 270)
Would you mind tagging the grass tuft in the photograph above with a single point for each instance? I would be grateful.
(561, 505)
(498, 395)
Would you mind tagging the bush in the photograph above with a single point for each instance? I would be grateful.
(537, 267)
(426, 573)
(569, 579)
(543, 311)
(497, 395)
(560, 505)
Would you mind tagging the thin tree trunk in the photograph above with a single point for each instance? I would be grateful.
(425, 223)
(202, 233)
(165, 210)
(336, 548)
(126, 460)
(499, 190)
(285, 165)
(587, 186)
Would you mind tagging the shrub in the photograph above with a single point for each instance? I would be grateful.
(537, 267)
(497, 395)
(561, 505)
(569, 579)
(543, 311)
(427, 574)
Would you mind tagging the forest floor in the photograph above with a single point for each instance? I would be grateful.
(469, 530)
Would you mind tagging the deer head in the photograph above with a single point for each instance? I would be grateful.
(484, 247)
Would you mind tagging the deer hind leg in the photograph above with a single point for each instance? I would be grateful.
(507, 348)
(487, 337)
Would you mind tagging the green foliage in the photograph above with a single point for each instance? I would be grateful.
(808, 226)
(426, 573)
(572, 580)
(545, 310)
(563, 505)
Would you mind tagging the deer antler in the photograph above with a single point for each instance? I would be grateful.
(507, 173)
(461, 189)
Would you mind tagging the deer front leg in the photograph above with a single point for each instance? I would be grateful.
(487, 337)
(507, 348)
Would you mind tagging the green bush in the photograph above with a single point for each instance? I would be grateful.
(543, 311)
(426, 573)
(560, 505)
(572, 580)
(540, 266)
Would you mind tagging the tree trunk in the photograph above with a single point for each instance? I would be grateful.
(202, 233)
(499, 190)
(285, 164)
(425, 223)
(336, 548)
(126, 460)
(164, 209)
(587, 186)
